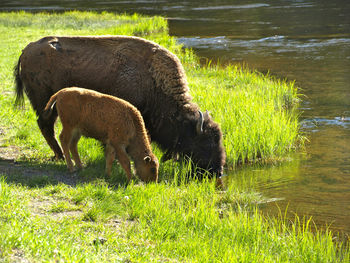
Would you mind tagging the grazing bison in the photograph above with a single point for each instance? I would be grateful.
(115, 122)
(131, 68)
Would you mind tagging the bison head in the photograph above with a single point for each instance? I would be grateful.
(200, 138)
(207, 150)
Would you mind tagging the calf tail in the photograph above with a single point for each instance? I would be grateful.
(19, 87)
(47, 112)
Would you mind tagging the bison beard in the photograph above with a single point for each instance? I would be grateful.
(134, 69)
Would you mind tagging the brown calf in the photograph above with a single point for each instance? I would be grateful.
(111, 120)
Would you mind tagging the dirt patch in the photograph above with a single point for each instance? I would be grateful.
(28, 173)
(38, 175)
(8, 152)
(18, 256)
(42, 208)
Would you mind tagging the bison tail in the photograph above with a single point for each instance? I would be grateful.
(19, 88)
(47, 112)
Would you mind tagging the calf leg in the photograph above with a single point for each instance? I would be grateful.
(124, 160)
(65, 137)
(110, 156)
(47, 129)
(74, 149)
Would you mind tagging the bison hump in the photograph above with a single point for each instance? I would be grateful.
(169, 75)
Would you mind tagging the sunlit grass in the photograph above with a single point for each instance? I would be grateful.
(257, 114)
(191, 222)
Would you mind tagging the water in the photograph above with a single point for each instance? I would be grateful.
(303, 40)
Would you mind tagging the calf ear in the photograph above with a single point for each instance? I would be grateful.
(147, 159)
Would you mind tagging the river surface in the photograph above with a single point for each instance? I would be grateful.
(303, 40)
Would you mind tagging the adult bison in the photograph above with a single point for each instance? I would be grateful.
(147, 75)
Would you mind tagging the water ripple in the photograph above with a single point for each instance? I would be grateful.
(271, 45)
(219, 42)
(222, 7)
(314, 123)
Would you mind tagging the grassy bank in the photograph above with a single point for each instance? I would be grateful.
(190, 222)
(177, 220)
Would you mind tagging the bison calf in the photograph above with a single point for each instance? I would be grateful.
(111, 120)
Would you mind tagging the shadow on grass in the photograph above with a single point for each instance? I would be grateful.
(34, 174)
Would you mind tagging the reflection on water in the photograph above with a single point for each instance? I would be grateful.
(310, 184)
(306, 41)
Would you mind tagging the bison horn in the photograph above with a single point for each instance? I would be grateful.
(147, 159)
(199, 127)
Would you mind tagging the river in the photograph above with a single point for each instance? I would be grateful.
(306, 41)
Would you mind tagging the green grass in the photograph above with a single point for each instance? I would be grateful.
(257, 113)
(186, 222)
(47, 215)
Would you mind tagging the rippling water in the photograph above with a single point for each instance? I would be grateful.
(303, 40)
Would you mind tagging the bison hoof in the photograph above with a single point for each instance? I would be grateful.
(57, 158)
(72, 170)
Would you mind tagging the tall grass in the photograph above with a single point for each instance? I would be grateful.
(257, 113)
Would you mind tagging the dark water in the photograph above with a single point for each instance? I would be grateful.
(301, 40)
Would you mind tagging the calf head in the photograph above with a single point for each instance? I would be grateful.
(147, 169)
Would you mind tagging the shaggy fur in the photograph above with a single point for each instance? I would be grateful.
(113, 121)
(134, 69)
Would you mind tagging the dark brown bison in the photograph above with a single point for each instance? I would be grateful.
(134, 69)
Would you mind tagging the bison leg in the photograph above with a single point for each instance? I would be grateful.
(47, 129)
(66, 137)
(110, 156)
(74, 149)
(124, 160)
